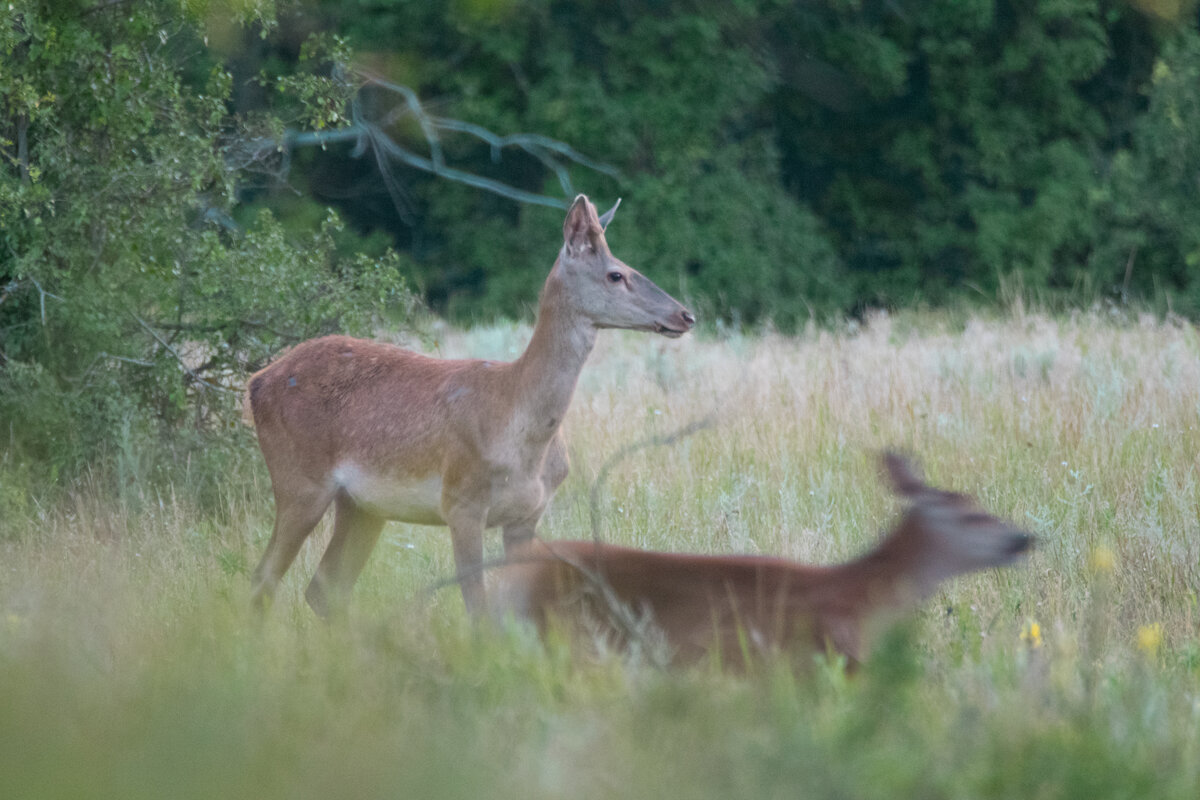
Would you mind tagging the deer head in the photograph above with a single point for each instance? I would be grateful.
(604, 289)
(949, 530)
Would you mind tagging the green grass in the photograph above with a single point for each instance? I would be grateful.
(130, 666)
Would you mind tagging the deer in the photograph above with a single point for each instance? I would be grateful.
(737, 609)
(383, 433)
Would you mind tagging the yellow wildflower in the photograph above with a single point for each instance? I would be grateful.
(1150, 638)
(1032, 634)
(1103, 561)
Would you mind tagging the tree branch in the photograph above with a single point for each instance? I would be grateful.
(651, 441)
(191, 373)
(366, 134)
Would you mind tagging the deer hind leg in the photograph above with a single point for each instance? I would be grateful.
(295, 517)
(355, 533)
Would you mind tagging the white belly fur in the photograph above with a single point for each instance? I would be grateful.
(415, 500)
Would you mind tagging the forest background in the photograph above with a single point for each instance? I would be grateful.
(188, 186)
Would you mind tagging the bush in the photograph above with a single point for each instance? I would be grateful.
(131, 304)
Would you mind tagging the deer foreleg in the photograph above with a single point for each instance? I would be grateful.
(466, 534)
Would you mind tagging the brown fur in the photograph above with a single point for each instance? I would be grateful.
(376, 430)
(738, 607)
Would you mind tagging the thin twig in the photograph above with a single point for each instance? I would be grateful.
(480, 568)
(428, 127)
(190, 372)
(651, 441)
(42, 295)
(594, 494)
(1128, 274)
(8, 289)
(137, 362)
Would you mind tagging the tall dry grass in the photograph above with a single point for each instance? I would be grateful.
(130, 666)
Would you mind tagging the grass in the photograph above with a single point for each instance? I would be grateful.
(131, 667)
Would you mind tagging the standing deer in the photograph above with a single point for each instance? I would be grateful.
(384, 433)
(742, 606)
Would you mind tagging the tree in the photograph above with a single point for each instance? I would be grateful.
(130, 304)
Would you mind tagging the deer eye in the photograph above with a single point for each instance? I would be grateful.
(615, 277)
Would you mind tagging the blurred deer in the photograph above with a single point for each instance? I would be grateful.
(741, 607)
(383, 433)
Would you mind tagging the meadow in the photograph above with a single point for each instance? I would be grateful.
(131, 665)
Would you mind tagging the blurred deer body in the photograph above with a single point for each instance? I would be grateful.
(384, 433)
(739, 607)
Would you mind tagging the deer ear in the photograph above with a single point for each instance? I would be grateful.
(607, 216)
(905, 478)
(577, 228)
(582, 228)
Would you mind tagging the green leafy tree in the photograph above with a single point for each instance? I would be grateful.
(1152, 198)
(968, 140)
(130, 302)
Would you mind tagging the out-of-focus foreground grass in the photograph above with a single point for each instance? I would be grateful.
(131, 667)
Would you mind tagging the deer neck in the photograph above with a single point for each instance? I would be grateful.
(894, 576)
(548, 370)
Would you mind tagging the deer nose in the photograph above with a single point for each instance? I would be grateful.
(688, 319)
(1021, 543)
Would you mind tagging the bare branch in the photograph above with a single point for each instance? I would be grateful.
(366, 134)
(191, 373)
(652, 441)
(137, 362)
(428, 126)
(8, 289)
(532, 143)
(42, 295)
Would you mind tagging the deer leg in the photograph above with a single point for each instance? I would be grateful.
(466, 534)
(295, 517)
(355, 533)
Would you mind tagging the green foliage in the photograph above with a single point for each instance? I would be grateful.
(1154, 194)
(678, 102)
(968, 146)
(785, 160)
(130, 302)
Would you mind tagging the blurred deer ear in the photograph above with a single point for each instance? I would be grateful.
(580, 225)
(906, 480)
(607, 216)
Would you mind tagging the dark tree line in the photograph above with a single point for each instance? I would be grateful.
(786, 159)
